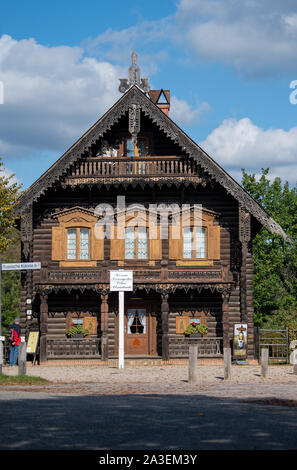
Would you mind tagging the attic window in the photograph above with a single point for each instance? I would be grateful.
(139, 150)
(107, 150)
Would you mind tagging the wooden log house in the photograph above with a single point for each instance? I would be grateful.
(136, 151)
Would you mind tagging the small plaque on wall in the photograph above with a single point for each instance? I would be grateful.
(181, 324)
(90, 323)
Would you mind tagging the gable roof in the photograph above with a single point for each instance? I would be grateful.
(135, 96)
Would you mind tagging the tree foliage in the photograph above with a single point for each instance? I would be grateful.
(275, 261)
(11, 281)
(9, 248)
(9, 192)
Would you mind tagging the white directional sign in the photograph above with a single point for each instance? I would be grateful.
(20, 266)
(121, 280)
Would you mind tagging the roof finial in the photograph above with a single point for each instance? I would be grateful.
(134, 77)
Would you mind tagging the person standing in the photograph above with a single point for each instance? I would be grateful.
(14, 338)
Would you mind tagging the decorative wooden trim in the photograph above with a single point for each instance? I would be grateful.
(181, 323)
(77, 264)
(195, 263)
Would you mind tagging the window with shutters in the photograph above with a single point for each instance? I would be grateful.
(76, 240)
(135, 241)
(197, 242)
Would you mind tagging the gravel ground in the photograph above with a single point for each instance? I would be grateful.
(246, 381)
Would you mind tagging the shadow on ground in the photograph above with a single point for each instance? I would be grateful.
(145, 422)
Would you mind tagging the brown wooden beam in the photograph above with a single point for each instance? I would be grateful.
(43, 327)
(165, 315)
(104, 327)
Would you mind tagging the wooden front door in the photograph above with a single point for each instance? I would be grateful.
(137, 331)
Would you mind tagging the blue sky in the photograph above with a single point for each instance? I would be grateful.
(227, 63)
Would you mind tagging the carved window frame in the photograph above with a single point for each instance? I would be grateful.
(207, 222)
(76, 218)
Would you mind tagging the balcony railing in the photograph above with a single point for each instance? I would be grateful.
(134, 166)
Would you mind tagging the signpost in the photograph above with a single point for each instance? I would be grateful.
(121, 281)
(11, 267)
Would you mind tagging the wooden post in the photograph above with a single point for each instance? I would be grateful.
(227, 363)
(43, 328)
(1, 356)
(165, 313)
(121, 329)
(264, 362)
(193, 350)
(104, 327)
(295, 362)
(225, 318)
(22, 358)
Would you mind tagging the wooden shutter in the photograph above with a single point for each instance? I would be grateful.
(58, 243)
(214, 242)
(175, 246)
(155, 247)
(97, 243)
(117, 248)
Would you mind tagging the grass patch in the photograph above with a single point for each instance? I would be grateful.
(21, 380)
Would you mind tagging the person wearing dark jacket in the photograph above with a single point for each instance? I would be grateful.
(14, 339)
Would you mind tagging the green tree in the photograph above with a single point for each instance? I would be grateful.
(11, 281)
(275, 260)
(9, 247)
(9, 192)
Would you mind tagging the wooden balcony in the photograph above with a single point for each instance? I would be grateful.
(132, 167)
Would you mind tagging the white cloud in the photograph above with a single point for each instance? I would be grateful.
(184, 114)
(7, 173)
(255, 38)
(51, 95)
(237, 144)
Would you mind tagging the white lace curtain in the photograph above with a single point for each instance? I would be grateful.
(142, 318)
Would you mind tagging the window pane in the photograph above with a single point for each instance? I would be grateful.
(142, 243)
(71, 243)
(141, 144)
(84, 243)
(188, 242)
(129, 148)
(130, 243)
(200, 242)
